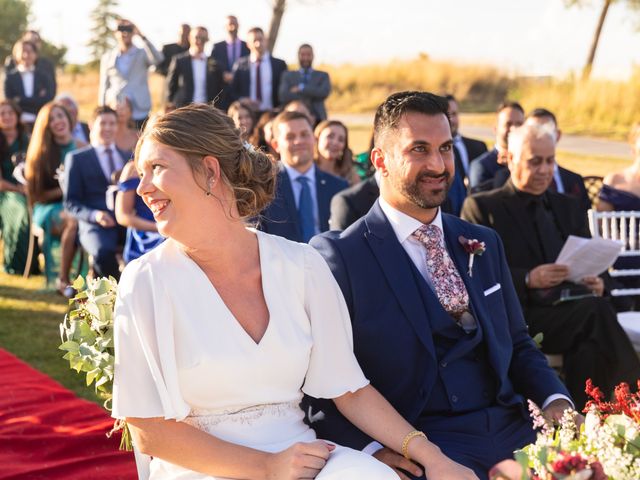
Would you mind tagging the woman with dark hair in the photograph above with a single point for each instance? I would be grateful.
(212, 358)
(27, 85)
(244, 118)
(51, 140)
(333, 154)
(261, 136)
(14, 215)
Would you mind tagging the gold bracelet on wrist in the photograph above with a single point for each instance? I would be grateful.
(407, 439)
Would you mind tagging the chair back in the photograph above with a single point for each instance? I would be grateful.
(622, 226)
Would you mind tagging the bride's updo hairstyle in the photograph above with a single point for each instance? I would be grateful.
(200, 130)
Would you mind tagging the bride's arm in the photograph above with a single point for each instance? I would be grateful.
(181, 444)
(368, 410)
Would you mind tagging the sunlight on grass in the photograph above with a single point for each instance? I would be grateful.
(29, 319)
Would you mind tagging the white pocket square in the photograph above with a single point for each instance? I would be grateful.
(489, 291)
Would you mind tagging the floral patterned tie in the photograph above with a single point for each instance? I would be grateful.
(445, 277)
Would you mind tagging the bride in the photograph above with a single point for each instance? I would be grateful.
(221, 329)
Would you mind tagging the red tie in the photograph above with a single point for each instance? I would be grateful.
(258, 82)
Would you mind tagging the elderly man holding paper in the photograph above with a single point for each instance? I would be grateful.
(534, 223)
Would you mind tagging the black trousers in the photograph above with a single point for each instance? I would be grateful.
(594, 345)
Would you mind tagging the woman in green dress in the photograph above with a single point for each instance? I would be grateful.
(51, 140)
(14, 215)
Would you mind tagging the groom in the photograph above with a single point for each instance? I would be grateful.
(443, 340)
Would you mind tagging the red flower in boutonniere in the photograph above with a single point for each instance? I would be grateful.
(473, 247)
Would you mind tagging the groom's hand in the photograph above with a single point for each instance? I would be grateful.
(397, 462)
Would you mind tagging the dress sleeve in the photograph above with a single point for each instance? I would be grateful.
(145, 377)
(333, 368)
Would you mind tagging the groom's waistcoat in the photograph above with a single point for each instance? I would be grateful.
(465, 381)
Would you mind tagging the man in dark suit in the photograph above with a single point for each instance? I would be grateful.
(257, 76)
(442, 339)
(484, 168)
(465, 150)
(43, 64)
(193, 77)
(225, 53)
(170, 50)
(564, 181)
(354, 202)
(300, 208)
(306, 84)
(534, 223)
(87, 175)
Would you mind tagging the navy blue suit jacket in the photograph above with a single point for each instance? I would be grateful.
(220, 55)
(241, 84)
(85, 183)
(281, 216)
(392, 337)
(44, 89)
(483, 169)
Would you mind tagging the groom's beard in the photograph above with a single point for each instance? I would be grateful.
(425, 196)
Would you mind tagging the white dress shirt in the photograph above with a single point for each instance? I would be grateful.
(199, 68)
(297, 190)
(28, 81)
(265, 81)
(558, 179)
(403, 226)
(464, 155)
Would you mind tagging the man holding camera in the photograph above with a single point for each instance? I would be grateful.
(124, 71)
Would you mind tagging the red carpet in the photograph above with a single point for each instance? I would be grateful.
(46, 432)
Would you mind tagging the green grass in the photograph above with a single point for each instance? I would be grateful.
(29, 319)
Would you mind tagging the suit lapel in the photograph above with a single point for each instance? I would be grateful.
(289, 199)
(395, 265)
(524, 222)
(324, 201)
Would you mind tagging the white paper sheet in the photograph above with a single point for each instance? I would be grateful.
(587, 257)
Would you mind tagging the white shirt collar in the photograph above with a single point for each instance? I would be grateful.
(22, 69)
(403, 225)
(294, 174)
(101, 149)
(264, 58)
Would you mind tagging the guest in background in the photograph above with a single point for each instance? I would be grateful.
(132, 213)
(484, 168)
(43, 64)
(300, 209)
(243, 117)
(87, 176)
(127, 134)
(193, 77)
(333, 154)
(28, 86)
(300, 106)
(465, 150)
(51, 141)
(14, 215)
(257, 76)
(170, 50)
(306, 84)
(262, 135)
(226, 53)
(124, 71)
(79, 130)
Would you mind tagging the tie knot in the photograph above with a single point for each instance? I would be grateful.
(304, 181)
(108, 151)
(428, 234)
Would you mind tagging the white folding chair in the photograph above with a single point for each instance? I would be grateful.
(621, 226)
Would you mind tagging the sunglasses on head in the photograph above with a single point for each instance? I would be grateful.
(125, 28)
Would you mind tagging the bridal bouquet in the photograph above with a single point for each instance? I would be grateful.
(606, 447)
(87, 338)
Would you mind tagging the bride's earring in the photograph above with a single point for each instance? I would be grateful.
(209, 187)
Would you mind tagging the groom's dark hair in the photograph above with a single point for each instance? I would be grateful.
(395, 106)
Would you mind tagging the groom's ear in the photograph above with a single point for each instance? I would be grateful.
(378, 160)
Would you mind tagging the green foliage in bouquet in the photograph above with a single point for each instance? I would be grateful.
(87, 338)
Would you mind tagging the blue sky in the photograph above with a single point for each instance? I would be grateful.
(531, 37)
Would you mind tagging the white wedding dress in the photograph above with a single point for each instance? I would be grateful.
(181, 354)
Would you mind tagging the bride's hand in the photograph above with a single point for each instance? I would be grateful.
(300, 460)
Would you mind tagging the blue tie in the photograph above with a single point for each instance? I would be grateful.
(305, 210)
